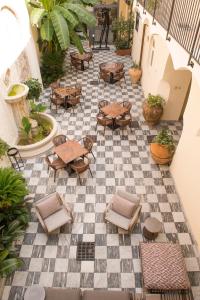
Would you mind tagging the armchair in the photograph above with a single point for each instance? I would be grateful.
(123, 211)
(52, 213)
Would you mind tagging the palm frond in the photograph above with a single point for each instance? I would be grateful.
(61, 29)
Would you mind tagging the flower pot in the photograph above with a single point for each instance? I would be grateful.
(135, 74)
(123, 52)
(161, 154)
(152, 114)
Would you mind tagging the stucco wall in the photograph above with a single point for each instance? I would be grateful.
(186, 163)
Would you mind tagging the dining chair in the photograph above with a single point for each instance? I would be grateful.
(124, 121)
(119, 76)
(102, 104)
(80, 165)
(103, 121)
(55, 164)
(88, 144)
(127, 105)
(78, 88)
(56, 100)
(74, 100)
(59, 139)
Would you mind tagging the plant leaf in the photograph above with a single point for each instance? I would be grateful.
(76, 40)
(36, 15)
(3, 255)
(67, 15)
(9, 265)
(47, 30)
(83, 14)
(61, 29)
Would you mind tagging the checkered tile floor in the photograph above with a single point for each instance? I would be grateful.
(122, 161)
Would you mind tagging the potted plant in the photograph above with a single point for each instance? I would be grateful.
(135, 73)
(123, 35)
(153, 109)
(162, 148)
(35, 88)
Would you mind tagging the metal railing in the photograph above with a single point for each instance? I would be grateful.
(181, 20)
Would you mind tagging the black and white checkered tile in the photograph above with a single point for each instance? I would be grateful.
(122, 161)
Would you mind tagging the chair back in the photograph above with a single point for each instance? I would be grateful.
(104, 75)
(80, 165)
(118, 75)
(127, 105)
(103, 103)
(78, 89)
(124, 121)
(88, 143)
(73, 99)
(59, 139)
(103, 120)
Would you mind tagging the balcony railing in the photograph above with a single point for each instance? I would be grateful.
(181, 20)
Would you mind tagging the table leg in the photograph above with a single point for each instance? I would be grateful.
(82, 65)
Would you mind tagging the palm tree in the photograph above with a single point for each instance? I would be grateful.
(59, 20)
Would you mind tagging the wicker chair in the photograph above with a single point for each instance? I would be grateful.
(127, 105)
(102, 104)
(88, 144)
(78, 88)
(81, 165)
(124, 121)
(59, 139)
(54, 85)
(103, 121)
(56, 100)
(75, 62)
(105, 76)
(89, 57)
(73, 100)
(119, 76)
(55, 164)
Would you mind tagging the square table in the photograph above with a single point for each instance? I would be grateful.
(70, 150)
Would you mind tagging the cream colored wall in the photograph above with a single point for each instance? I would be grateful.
(123, 9)
(25, 65)
(179, 81)
(186, 163)
(137, 41)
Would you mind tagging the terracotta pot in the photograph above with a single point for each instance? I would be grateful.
(152, 114)
(161, 154)
(123, 52)
(135, 74)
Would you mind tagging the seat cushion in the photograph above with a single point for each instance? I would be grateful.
(163, 267)
(57, 219)
(48, 205)
(128, 196)
(62, 294)
(117, 219)
(105, 295)
(123, 207)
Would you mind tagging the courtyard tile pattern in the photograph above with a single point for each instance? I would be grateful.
(122, 161)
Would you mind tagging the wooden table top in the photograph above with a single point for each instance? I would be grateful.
(70, 150)
(66, 91)
(83, 56)
(112, 67)
(114, 110)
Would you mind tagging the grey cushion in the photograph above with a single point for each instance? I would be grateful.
(48, 205)
(123, 206)
(105, 295)
(57, 219)
(117, 219)
(62, 294)
(128, 196)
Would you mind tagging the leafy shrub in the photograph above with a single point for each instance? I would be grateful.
(35, 88)
(154, 101)
(3, 148)
(123, 32)
(165, 137)
(52, 66)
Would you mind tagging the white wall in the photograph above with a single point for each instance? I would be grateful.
(185, 167)
(16, 66)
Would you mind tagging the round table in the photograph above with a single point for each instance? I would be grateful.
(111, 68)
(152, 227)
(86, 56)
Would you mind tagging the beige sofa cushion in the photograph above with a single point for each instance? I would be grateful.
(105, 295)
(48, 206)
(123, 207)
(128, 196)
(62, 294)
(57, 219)
(117, 219)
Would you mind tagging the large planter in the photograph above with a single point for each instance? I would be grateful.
(160, 153)
(123, 52)
(152, 114)
(135, 74)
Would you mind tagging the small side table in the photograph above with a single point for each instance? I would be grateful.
(152, 227)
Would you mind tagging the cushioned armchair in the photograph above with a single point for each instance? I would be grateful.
(52, 212)
(123, 211)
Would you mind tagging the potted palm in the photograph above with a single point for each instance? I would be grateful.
(153, 109)
(135, 73)
(162, 148)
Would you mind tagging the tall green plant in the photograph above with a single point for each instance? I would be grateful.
(165, 137)
(123, 32)
(12, 192)
(35, 88)
(58, 21)
(3, 148)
